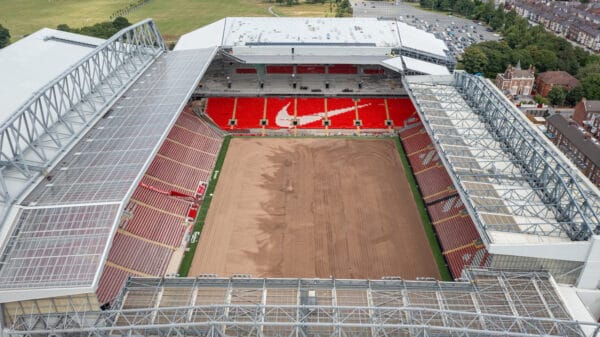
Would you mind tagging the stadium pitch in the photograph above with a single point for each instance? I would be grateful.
(313, 207)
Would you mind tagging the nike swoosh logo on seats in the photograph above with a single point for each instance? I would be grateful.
(284, 119)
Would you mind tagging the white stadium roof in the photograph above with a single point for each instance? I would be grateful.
(423, 67)
(246, 31)
(318, 40)
(417, 39)
(35, 60)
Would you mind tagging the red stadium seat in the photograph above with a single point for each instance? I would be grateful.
(161, 208)
(400, 110)
(456, 232)
(220, 110)
(445, 209)
(471, 255)
(111, 282)
(435, 183)
(372, 113)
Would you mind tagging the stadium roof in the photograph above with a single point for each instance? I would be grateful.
(255, 31)
(60, 234)
(36, 60)
(423, 67)
(511, 178)
(316, 40)
(417, 39)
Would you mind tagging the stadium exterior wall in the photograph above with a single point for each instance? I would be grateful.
(566, 250)
(567, 272)
(590, 275)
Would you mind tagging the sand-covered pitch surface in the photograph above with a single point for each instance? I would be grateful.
(313, 207)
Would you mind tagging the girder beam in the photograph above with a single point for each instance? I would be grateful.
(38, 134)
(481, 139)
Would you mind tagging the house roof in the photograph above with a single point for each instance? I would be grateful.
(577, 136)
(558, 78)
(591, 106)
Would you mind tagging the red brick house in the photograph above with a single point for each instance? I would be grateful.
(546, 80)
(587, 114)
(516, 81)
(577, 144)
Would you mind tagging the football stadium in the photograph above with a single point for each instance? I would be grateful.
(282, 177)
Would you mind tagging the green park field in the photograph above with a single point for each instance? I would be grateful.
(174, 17)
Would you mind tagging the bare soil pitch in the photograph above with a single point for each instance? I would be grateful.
(313, 208)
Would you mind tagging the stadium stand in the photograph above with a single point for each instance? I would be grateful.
(220, 110)
(249, 111)
(456, 232)
(407, 132)
(245, 71)
(310, 69)
(374, 114)
(125, 252)
(416, 142)
(423, 160)
(445, 209)
(400, 110)
(162, 208)
(111, 282)
(158, 225)
(435, 183)
(342, 69)
(454, 228)
(470, 255)
(272, 69)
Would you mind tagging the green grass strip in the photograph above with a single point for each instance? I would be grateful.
(433, 243)
(186, 263)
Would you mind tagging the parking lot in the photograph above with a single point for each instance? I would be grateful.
(458, 33)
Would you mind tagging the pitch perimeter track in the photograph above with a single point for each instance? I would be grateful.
(313, 207)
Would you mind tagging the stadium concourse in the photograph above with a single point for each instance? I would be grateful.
(109, 147)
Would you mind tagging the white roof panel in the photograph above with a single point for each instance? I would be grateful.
(206, 37)
(240, 31)
(424, 67)
(414, 38)
(394, 64)
(30, 63)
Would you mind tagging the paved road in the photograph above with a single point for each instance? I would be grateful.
(457, 32)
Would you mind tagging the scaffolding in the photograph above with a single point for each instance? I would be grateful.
(510, 178)
(486, 302)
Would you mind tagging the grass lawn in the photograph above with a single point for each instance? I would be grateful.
(24, 17)
(174, 17)
(305, 10)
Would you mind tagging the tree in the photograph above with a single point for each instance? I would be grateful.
(474, 60)
(120, 23)
(574, 96)
(4, 37)
(591, 86)
(539, 99)
(63, 27)
(344, 8)
(510, 19)
(544, 60)
(590, 68)
(557, 95)
(497, 19)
